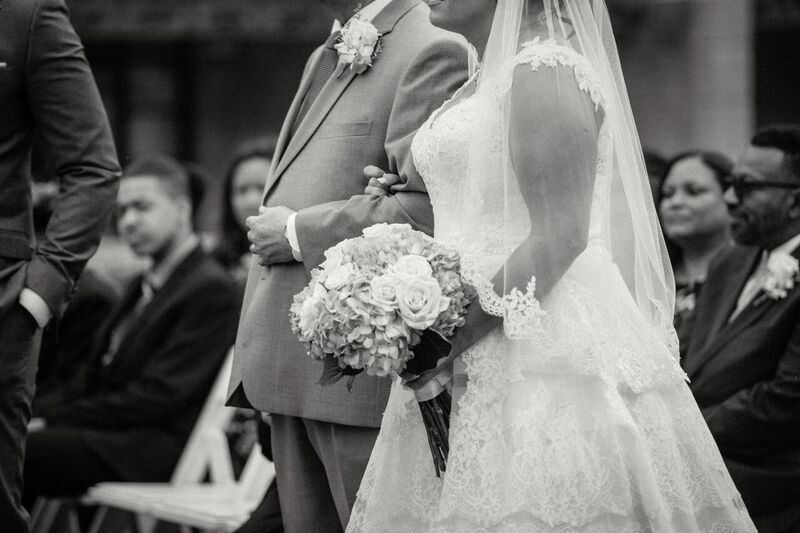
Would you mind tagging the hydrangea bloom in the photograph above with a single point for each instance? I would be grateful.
(369, 301)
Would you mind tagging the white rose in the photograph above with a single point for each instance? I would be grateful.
(413, 265)
(338, 276)
(783, 266)
(376, 230)
(384, 230)
(360, 33)
(420, 302)
(312, 308)
(333, 258)
(384, 291)
(365, 52)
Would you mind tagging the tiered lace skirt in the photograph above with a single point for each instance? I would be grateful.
(546, 440)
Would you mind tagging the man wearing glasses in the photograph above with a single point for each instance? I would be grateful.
(744, 357)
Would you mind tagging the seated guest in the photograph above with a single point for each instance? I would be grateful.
(744, 357)
(243, 189)
(696, 223)
(129, 413)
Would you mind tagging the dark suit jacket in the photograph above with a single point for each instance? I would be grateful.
(745, 376)
(46, 87)
(138, 410)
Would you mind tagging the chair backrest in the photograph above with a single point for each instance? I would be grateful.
(214, 418)
(256, 477)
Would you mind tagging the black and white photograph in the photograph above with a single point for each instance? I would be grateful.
(399, 266)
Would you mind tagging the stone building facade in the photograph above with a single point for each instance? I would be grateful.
(196, 77)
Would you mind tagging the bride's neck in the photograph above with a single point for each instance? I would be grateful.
(478, 34)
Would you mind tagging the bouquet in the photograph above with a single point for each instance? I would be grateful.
(385, 303)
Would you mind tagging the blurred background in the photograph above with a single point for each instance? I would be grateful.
(194, 78)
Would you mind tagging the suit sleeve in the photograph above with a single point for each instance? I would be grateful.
(180, 371)
(69, 114)
(434, 74)
(765, 418)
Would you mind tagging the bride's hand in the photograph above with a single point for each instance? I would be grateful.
(380, 183)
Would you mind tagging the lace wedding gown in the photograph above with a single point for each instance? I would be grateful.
(587, 428)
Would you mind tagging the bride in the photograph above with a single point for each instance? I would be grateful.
(570, 410)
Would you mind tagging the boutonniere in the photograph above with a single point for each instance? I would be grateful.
(358, 45)
(684, 302)
(782, 274)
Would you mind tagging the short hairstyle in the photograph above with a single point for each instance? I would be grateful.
(784, 137)
(172, 175)
(718, 163)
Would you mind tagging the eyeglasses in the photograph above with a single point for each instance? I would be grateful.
(742, 185)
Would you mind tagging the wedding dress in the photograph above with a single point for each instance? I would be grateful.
(576, 416)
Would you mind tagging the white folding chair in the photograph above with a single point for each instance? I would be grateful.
(206, 456)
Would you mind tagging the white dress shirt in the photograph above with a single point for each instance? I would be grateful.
(756, 280)
(367, 13)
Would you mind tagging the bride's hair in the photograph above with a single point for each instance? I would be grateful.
(537, 6)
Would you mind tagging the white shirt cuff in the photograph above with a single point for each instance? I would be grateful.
(291, 236)
(36, 306)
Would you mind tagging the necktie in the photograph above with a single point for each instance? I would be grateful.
(327, 64)
(123, 327)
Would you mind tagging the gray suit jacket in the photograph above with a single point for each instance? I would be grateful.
(357, 120)
(46, 87)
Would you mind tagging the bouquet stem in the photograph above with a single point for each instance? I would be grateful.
(436, 419)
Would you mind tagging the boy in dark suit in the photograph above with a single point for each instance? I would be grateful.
(129, 413)
(46, 88)
(744, 357)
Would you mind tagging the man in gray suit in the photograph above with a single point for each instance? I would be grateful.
(46, 89)
(337, 125)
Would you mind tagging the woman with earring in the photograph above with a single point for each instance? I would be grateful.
(696, 223)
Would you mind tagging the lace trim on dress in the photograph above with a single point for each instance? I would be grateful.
(521, 312)
(551, 54)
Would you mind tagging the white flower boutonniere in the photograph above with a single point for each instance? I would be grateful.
(684, 302)
(359, 44)
(782, 274)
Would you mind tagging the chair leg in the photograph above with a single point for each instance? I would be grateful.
(145, 523)
(99, 518)
(45, 512)
(73, 521)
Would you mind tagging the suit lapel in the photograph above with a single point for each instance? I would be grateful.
(330, 94)
(288, 121)
(723, 294)
(734, 284)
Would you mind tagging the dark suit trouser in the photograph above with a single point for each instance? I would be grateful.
(59, 463)
(267, 516)
(19, 346)
(318, 466)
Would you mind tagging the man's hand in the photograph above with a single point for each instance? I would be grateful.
(267, 235)
(36, 424)
(381, 183)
